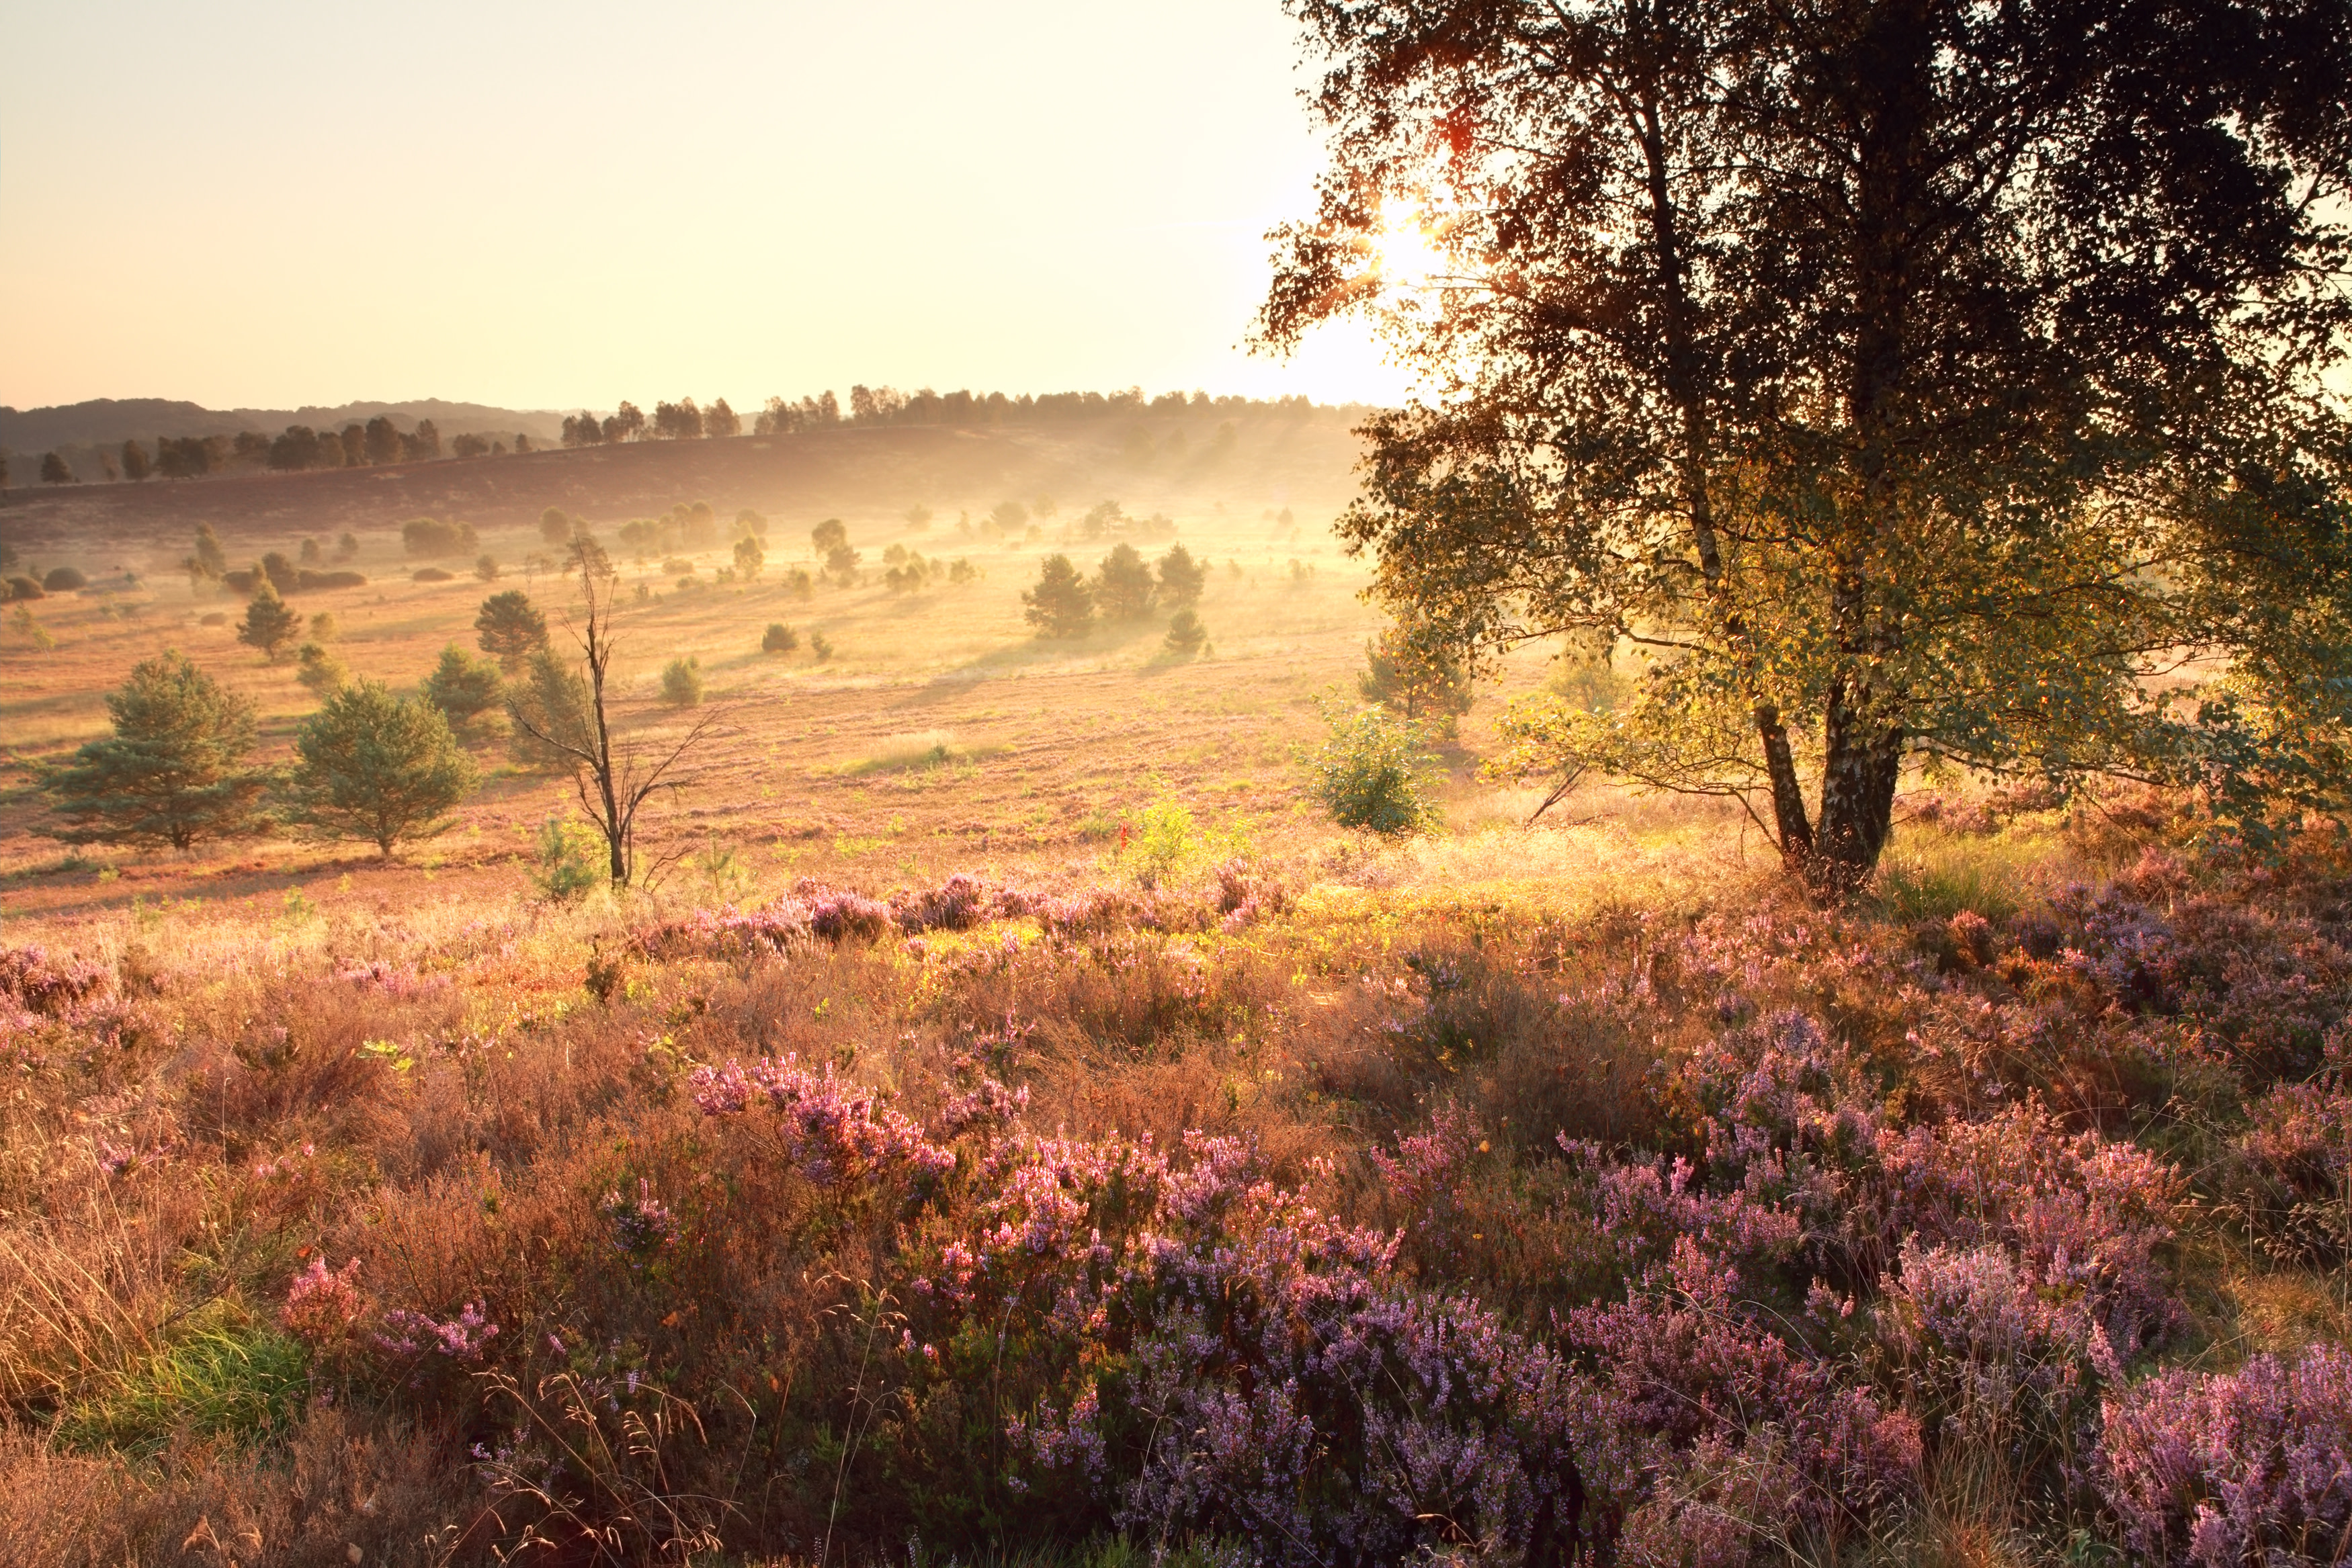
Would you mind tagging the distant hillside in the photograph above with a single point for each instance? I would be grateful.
(109, 422)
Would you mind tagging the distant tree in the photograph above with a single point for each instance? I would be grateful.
(54, 470)
(511, 629)
(679, 421)
(612, 781)
(269, 623)
(347, 546)
(1061, 605)
(1182, 579)
(799, 584)
(918, 518)
(719, 421)
(779, 638)
(486, 568)
(135, 466)
(583, 430)
(829, 535)
(750, 524)
(423, 443)
(4, 470)
(470, 445)
(353, 441)
(383, 440)
(522, 443)
(828, 409)
(750, 558)
(699, 525)
(312, 555)
(841, 565)
(462, 685)
(1102, 517)
(375, 767)
(295, 449)
(208, 551)
(626, 423)
(182, 458)
(283, 574)
(1123, 589)
(172, 772)
(1012, 517)
(557, 701)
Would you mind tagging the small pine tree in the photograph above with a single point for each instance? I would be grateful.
(376, 766)
(461, 685)
(486, 568)
(269, 624)
(172, 772)
(511, 629)
(1123, 588)
(553, 700)
(779, 638)
(318, 669)
(682, 681)
(1061, 605)
(1185, 633)
(1182, 579)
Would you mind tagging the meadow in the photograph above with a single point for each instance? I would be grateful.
(1016, 1125)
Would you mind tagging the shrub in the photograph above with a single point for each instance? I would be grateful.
(1409, 671)
(821, 645)
(1368, 774)
(376, 766)
(749, 557)
(1163, 844)
(432, 574)
(779, 638)
(64, 579)
(570, 859)
(309, 581)
(24, 588)
(486, 568)
(430, 536)
(173, 771)
(681, 681)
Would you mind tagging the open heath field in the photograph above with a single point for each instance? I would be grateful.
(1008, 1119)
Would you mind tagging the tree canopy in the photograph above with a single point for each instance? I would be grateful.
(511, 629)
(174, 770)
(1907, 378)
(1061, 604)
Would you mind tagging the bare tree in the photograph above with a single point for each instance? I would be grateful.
(613, 780)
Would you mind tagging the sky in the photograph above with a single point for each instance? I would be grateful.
(555, 205)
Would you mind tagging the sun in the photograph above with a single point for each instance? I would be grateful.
(1406, 252)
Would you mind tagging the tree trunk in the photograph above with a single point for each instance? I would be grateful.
(1863, 759)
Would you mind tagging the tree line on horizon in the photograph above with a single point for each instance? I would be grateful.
(297, 447)
(686, 420)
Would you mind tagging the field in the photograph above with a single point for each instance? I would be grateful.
(1016, 1125)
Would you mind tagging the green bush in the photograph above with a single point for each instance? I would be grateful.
(1185, 633)
(682, 681)
(569, 860)
(779, 638)
(1369, 773)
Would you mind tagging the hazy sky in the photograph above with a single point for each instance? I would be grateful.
(561, 204)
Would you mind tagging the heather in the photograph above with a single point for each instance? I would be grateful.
(1283, 1210)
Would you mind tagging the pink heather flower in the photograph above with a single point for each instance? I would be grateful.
(321, 1306)
(462, 1338)
(2220, 1470)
